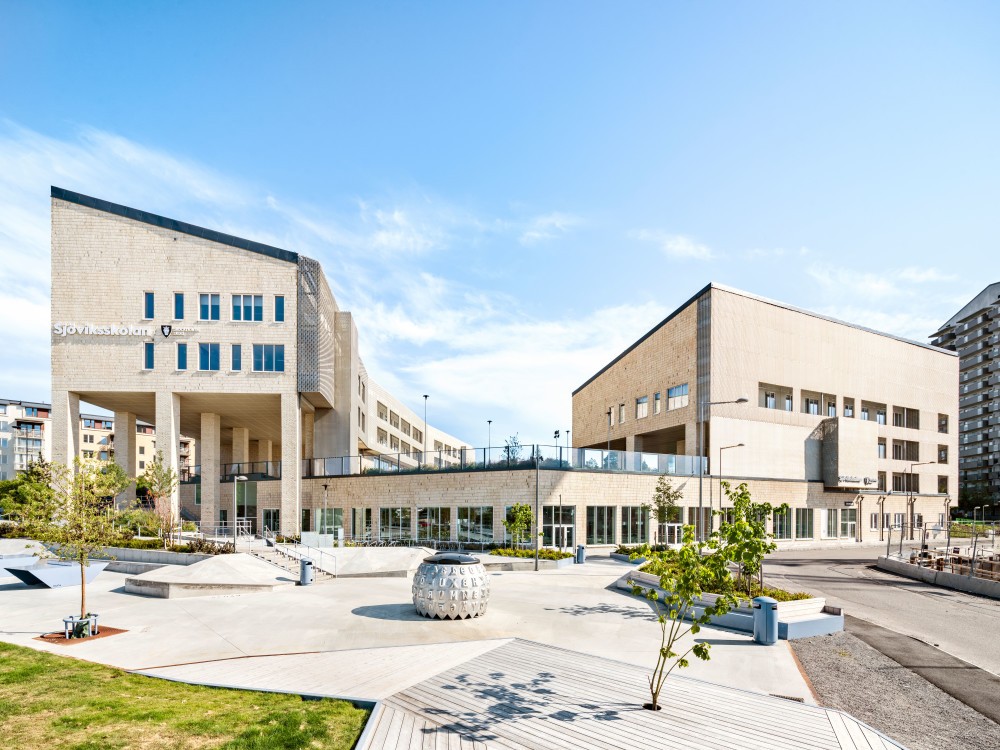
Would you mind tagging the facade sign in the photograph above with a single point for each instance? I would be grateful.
(866, 481)
(90, 329)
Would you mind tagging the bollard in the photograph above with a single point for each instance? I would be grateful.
(765, 620)
(581, 554)
(307, 573)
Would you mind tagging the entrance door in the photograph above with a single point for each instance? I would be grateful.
(563, 536)
(272, 520)
(670, 533)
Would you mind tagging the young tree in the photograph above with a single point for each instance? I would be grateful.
(31, 486)
(744, 540)
(665, 501)
(512, 449)
(78, 517)
(519, 522)
(681, 583)
(159, 481)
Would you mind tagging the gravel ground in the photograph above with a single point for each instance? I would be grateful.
(848, 674)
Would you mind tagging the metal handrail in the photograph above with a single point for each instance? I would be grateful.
(295, 550)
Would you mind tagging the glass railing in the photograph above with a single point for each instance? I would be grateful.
(549, 458)
(254, 471)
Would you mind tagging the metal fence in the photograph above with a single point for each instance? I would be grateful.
(960, 548)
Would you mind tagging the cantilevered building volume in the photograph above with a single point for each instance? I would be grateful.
(974, 332)
(238, 344)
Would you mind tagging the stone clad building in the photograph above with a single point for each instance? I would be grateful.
(236, 343)
(839, 420)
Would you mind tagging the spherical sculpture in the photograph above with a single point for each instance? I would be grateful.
(451, 587)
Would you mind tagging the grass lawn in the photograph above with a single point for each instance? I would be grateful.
(49, 701)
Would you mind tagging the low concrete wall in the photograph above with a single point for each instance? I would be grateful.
(157, 556)
(943, 578)
(172, 590)
(131, 568)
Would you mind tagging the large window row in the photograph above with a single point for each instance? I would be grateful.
(245, 307)
(266, 357)
(677, 397)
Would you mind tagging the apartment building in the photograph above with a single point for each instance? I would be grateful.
(974, 333)
(235, 343)
(836, 419)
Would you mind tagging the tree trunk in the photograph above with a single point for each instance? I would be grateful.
(83, 588)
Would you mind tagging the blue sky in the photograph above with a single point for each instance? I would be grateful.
(506, 195)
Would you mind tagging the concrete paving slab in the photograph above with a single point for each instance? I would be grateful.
(225, 574)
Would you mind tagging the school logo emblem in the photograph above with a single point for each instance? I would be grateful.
(166, 330)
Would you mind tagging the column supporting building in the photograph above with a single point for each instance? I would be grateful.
(291, 463)
(125, 453)
(211, 433)
(168, 437)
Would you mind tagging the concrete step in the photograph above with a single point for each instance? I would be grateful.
(288, 564)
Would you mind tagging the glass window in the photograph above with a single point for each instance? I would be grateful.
(943, 423)
(633, 525)
(600, 524)
(329, 520)
(770, 400)
(656, 403)
(831, 522)
(361, 523)
(149, 306)
(208, 308)
(677, 396)
(178, 306)
(621, 413)
(147, 355)
(394, 523)
(642, 407)
(942, 454)
(182, 356)
(269, 357)
(788, 402)
(279, 309)
(864, 413)
(881, 447)
(942, 484)
(831, 408)
(558, 525)
(434, 523)
(848, 407)
(873, 521)
(475, 524)
(880, 416)
(848, 523)
(803, 523)
(237, 358)
(248, 307)
(208, 357)
(782, 525)
(812, 406)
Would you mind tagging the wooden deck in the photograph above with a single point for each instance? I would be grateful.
(525, 695)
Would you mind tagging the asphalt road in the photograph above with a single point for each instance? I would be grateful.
(962, 625)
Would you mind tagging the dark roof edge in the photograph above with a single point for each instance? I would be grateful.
(173, 225)
(649, 333)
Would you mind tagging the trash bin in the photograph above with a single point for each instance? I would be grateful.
(581, 554)
(765, 620)
(307, 573)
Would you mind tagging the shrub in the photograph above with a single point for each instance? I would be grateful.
(543, 554)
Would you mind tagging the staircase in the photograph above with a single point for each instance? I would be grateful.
(287, 562)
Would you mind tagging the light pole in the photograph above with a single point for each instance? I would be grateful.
(724, 448)
(974, 517)
(538, 512)
(912, 499)
(489, 440)
(236, 480)
(700, 526)
(423, 458)
(323, 524)
(555, 437)
(607, 459)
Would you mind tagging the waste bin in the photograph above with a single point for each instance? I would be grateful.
(581, 554)
(765, 620)
(307, 573)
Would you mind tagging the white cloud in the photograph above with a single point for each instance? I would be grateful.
(848, 281)
(674, 245)
(548, 227)
(925, 275)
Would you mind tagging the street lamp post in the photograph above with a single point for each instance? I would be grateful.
(700, 526)
(423, 458)
(236, 480)
(724, 448)
(323, 523)
(912, 499)
(555, 437)
(538, 512)
(607, 458)
(489, 440)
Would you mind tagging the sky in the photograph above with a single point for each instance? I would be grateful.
(507, 195)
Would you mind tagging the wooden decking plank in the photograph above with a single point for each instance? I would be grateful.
(392, 735)
(840, 730)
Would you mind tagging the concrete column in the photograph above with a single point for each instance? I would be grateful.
(291, 463)
(241, 445)
(211, 434)
(65, 427)
(168, 436)
(308, 429)
(125, 453)
(261, 450)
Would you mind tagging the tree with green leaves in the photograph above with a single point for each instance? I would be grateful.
(680, 589)
(744, 538)
(159, 482)
(518, 522)
(512, 449)
(77, 519)
(31, 486)
(666, 499)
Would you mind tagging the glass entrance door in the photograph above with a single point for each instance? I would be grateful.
(272, 519)
(563, 536)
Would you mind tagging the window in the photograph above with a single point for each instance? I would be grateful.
(149, 307)
(831, 408)
(142, 450)
(103, 455)
(558, 525)
(248, 307)
(621, 414)
(404, 427)
(656, 403)
(942, 454)
(88, 424)
(328, 520)
(905, 450)
(418, 435)
(864, 413)
(907, 482)
(86, 438)
(147, 355)
(849, 523)
(208, 357)
(394, 523)
(831, 522)
(782, 525)
(943, 423)
(848, 407)
(434, 523)
(880, 416)
(600, 524)
(942, 484)
(881, 481)
(677, 396)
(279, 309)
(393, 419)
(269, 357)
(237, 358)
(788, 402)
(897, 520)
(642, 407)
(178, 305)
(770, 400)
(209, 307)
(142, 465)
(873, 521)
(811, 406)
(382, 410)
(803, 523)
(383, 437)
(633, 525)
(182, 356)
(881, 448)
